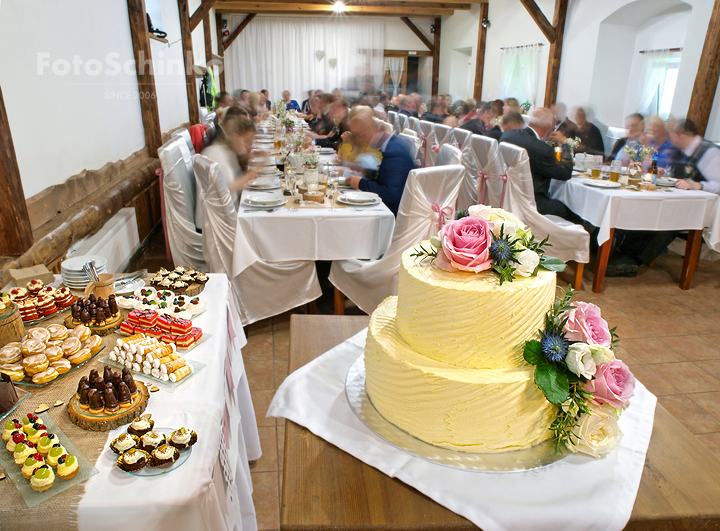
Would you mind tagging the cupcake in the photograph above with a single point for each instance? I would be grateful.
(67, 467)
(133, 460)
(22, 451)
(152, 440)
(32, 462)
(164, 455)
(125, 442)
(56, 452)
(46, 442)
(42, 479)
(182, 438)
(140, 426)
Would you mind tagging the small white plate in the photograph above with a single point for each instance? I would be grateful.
(360, 197)
(602, 184)
(326, 151)
(76, 263)
(374, 202)
(263, 201)
(665, 181)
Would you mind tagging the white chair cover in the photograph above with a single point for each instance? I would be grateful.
(264, 289)
(186, 245)
(402, 122)
(414, 123)
(384, 125)
(412, 143)
(448, 155)
(392, 118)
(185, 135)
(460, 138)
(427, 136)
(469, 191)
(569, 241)
(429, 194)
(489, 170)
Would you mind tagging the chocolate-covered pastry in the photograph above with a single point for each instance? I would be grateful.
(116, 379)
(83, 393)
(95, 401)
(75, 309)
(130, 382)
(83, 380)
(92, 298)
(85, 317)
(93, 376)
(124, 397)
(99, 384)
(107, 374)
(112, 304)
(100, 301)
(111, 403)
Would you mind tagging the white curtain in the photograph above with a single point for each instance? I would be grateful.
(519, 73)
(300, 54)
(654, 66)
(396, 66)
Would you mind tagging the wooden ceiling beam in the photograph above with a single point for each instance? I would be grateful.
(237, 32)
(327, 9)
(555, 54)
(200, 13)
(706, 79)
(480, 54)
(436, 58)
(406, 53)
(220, 47)
(420, 35)
(187, 44)
(540, 19)
(368, 2)
(326, 14)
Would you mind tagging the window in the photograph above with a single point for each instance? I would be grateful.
(666, 88)
(658, 81)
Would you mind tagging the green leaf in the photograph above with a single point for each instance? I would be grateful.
(552, 264)
(553, 382)
(533, 352)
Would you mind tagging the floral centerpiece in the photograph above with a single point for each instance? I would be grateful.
(575, 364)
(288, 122)
(280, 108)
(637, 153)
(310, 157)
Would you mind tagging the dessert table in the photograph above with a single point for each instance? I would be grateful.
(679, 488)
(609, 208)
(312, 232)
(211, 490)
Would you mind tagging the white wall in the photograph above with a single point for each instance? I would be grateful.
(399, 37)
(63, 124)
(458, 32)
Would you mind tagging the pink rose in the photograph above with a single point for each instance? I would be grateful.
(465, 245)
(585, 324)
(613, 384)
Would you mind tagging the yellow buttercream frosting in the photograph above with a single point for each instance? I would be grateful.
(465, 409)
(468, 319)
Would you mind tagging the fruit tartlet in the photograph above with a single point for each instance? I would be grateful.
(22, 451)
(140, 426)
(16, 437)
(42, 479)
(152, 440)
(8, 428)
(46, 442)
(182, 438)
(32, 462)
(125, 442)
(56, 452)
(67, 467)
(164, 455)
(133, 460)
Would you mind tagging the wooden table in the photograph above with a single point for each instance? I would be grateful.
(325, 488)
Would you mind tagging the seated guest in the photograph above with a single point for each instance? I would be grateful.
(265, 99)
(437, 112)
(338, 114)
(562, 122)
(661, 143)
(591, 140)
(419, 105)
(305, 107)
(394, 168)
(256, 110)
(698, 165)
(314, 118)
(468, 111)
(543, 164)
(635, 127)
(233, 143)
(380, 111)
(356, 154)
(478, 124)
(290, 104)
(511, 104)
(244, 96)
(510, 122)
(408, 106)
(394, 105)
(222, 100)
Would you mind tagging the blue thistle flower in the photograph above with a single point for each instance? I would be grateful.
(554, 346)
(501, 251)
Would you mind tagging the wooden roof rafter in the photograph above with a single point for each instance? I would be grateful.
(400, 8)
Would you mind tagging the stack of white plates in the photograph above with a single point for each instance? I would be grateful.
(72, 272)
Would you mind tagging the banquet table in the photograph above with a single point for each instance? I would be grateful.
(212, 490)
(312, 232)
(668, 209)
(679, 488)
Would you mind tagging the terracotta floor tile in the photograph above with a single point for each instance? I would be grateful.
(259, 346)
(690, 414)
(711, 366)
(259, 326)
(266, 500)
(650, 350)
(661, 326)
(268, 443)
(623, 354)
(694, 348)
(709, 401)
(281, 372)
(260, 374)
(687, 377)
(698, 323)
(656, 384)
(711, 440)
(281, 344)
(628, 329)
(261, 402)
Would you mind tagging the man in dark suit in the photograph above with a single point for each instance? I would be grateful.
(543, 164)
(394, 168)
(408, 106)
(437, 112)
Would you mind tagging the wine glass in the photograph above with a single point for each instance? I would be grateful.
(290, 183)
(333, 182)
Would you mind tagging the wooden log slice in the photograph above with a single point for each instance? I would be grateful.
(11, 325)
(103, 422)
(102, 330)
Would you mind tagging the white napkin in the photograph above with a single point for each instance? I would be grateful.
(577, 493)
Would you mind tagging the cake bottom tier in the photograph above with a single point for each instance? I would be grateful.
(469, 410)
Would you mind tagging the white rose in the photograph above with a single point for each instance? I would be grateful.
(480, 211)
(580, 361)
(601, 354)
(597, 433)
(529, 260)
(503, 215)
(508, 229)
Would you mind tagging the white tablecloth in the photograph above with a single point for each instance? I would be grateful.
(311, 234)
(577, 493)
(630, 210)
(212, 490)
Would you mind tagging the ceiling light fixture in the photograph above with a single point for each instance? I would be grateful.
(338, 7)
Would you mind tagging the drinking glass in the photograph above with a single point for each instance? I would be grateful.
(596, 167)
(615, 167)
(290, 183)
(580, 161)
(558, 153)
(332, 187)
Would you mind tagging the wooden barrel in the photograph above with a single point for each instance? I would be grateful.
(11, 325)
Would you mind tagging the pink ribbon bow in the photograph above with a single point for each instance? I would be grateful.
(443, 214)
(436, 149)
(482, 186)
(503, 178)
